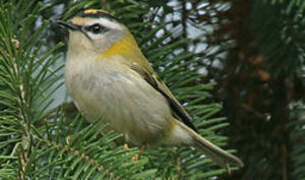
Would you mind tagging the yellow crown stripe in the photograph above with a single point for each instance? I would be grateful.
(95, 11)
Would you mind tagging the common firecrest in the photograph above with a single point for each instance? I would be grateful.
(110, 80)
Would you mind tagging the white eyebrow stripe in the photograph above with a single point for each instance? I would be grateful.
(104, 22)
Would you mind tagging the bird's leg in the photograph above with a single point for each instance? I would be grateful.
(228, 169)
(137, 156)
(126, 147)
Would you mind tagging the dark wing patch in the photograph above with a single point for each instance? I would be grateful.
(176, 107)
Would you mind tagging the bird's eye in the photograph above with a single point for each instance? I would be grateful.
(95, 28)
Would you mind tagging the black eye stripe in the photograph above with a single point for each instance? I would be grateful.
(95, 28)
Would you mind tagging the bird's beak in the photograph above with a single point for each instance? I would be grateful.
(68, 25)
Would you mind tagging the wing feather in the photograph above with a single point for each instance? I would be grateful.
(153, 79)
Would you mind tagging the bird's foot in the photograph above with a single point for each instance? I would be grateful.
(137, 156)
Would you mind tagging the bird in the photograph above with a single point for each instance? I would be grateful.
(110, 80)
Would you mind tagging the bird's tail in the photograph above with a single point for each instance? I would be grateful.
(220, 156)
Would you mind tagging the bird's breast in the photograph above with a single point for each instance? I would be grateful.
(115, 94)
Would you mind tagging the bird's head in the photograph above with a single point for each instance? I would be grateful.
(97, 31)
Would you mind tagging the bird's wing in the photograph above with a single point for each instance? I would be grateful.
(152, 78)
